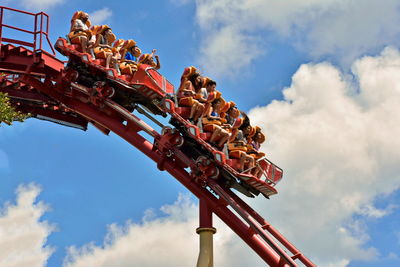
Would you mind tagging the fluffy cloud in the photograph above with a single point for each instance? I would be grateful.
(158, 241)
(100, 16)
(166, 239)
(22, 235)
(335, 137)
(236, 32)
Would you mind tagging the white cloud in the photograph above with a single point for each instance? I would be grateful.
(317, 27)
(336, 139)
(154, 242)
(169, 240)
(40, 5)
(22, 235)
(161, 238)
(229, 49)
(371, 211)
(100, 16)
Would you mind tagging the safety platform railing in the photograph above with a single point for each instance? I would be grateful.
(40, 32)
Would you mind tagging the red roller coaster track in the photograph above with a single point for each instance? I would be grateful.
(39, 83)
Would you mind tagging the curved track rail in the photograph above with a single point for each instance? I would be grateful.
(37, 82)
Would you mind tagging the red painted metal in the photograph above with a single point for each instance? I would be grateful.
(273, 231)
(44, 20)
(1, 21)
(237, 225)
(131, 135)
(154, 82)
(246, 229)
(271, 173)
(205, 216)
(51, 82)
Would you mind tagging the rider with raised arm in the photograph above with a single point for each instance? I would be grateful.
(148, 59)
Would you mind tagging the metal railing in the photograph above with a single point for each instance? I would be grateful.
(40, 30)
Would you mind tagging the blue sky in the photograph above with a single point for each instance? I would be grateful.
(321, 78)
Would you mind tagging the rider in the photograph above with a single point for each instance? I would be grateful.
(238, 147)
(102, 47)
(190, 80)
(80, 32)
(254, 147)
(129, 53)
(213, 122)
(148, 59)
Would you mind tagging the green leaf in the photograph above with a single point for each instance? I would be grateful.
(7, 113)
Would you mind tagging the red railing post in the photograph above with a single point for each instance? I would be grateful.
(47, 34)
(1, 27)
(1, 23)
(34, 37)
(41, 29)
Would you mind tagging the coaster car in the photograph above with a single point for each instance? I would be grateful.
(146, 86)
(196, 146)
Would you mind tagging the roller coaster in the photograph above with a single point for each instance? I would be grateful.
(82, 91)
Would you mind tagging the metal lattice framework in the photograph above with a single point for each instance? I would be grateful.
(39, 83)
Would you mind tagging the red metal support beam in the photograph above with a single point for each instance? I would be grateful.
(93, 114)
(274, 232)
(134, 138)
(206, 232)
(205, 214)
(237, 225)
